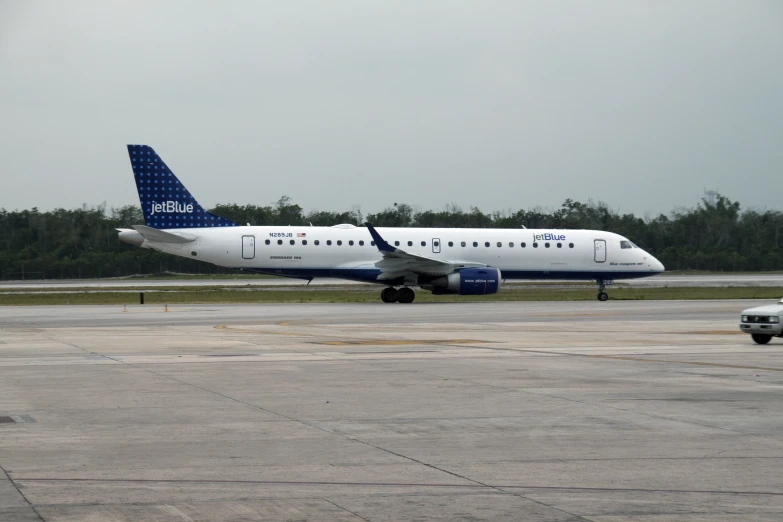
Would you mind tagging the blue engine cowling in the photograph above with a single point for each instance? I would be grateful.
(469, 281)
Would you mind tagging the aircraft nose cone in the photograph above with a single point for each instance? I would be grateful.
(657, 266)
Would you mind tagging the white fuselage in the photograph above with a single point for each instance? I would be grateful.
(348, 252)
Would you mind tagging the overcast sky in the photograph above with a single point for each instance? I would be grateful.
(497, 104)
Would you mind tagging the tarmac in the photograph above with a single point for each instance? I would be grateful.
(583, 411)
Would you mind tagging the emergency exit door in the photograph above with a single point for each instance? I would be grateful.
(600, 251)
(248, 247)
(435, 245)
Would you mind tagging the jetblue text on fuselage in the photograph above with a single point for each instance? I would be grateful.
(548, 237)
(171, 207)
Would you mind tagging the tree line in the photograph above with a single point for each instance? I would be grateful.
(714, 235)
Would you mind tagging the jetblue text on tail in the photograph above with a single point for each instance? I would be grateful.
(171, 207)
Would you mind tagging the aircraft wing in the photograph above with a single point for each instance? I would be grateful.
(398, 263)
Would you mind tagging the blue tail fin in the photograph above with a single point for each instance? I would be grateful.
(165, 201)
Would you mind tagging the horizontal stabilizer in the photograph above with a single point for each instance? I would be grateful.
(159, 236)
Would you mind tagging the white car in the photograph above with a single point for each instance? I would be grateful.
(763, 322)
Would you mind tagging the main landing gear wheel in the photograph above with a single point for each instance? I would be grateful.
(405, 295)
(389, 295)
(603, 296)
(761, 338)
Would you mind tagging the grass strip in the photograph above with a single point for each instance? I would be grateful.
(363, 294)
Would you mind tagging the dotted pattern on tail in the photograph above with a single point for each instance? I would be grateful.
(165, 201)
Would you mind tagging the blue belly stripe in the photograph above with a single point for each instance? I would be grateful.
(370, 275)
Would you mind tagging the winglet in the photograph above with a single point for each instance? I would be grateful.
(381, 243)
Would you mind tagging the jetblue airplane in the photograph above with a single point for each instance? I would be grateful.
(464, 261)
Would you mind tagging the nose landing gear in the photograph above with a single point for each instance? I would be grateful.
(603, 296)
(403, 295)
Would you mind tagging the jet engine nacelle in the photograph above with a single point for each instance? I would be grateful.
(469, 281)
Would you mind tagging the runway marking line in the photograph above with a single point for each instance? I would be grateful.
(696, 363)
(709, 332)
(404, 342)
(264, 332)
(396, 484)
(582, 314)
(358, 342)
(397, 342)
(638, 359)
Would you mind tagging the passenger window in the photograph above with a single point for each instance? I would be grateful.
(451, 243)
(570, 245)
(523, 244)
(317, 242)
(434, 243)
(486, 244)
(279, 241)
(500, 244)
(304, 242)
(625, 244)
(463, 243)
(372, 243)
(350, 243)
(410, 243)
(339, 242)
(329, 242)
(396, 243)
(292, 242)
(560, 245)
(511, 245)
(424, 243)
(361, 242)
(267, 241)
(535, 245)
(475, 243)
(546, 245)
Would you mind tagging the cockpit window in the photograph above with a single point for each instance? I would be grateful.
(625, 244)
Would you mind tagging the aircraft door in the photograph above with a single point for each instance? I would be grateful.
(600, 251)
(248, 247)
(435, 245)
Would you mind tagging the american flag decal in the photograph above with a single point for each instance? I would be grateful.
(301, 234)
